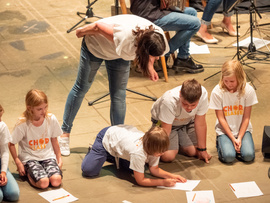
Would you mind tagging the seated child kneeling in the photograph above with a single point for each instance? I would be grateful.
(128, 143)
(36, 134)
(9, 189)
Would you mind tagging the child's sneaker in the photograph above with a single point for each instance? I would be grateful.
(64, 145)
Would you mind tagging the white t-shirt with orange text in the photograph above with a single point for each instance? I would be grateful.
(232, 106)
(34, 143)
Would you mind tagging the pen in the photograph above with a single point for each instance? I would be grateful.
(232, 187)
(60, 197)
(193, 197)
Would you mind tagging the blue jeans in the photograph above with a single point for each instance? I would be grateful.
(95, 158)
(212, 6)
(185, 24)
(10, 192)
(226, 150)
(118, 74)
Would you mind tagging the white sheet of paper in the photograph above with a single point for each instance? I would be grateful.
(246, 189)
(58, 196)
(196, 49)
(188, 186)
(257, 41)
(205, 196)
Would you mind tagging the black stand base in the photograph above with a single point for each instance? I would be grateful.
(89, 13)
(105, 95)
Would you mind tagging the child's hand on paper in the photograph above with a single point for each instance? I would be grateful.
(179, 178)
(169, 182)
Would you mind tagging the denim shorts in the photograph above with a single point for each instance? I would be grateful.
(42, 169)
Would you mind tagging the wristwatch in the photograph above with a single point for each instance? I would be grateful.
(201, 149)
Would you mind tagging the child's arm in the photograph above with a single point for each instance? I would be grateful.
(169, 180)
(201, 133)
(158, 172)
(167, 127)
(57, 152)
(244, 125)
(222, 120)
(4, 164)
(20, 166)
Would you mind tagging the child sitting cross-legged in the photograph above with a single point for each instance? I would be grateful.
(128, 143)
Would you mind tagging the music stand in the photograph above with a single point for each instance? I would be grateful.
(89, 13)
(252, 48)
(238, 53)
(228, 9)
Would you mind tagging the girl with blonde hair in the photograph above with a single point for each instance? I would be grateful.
(232, 100)
(36, 133)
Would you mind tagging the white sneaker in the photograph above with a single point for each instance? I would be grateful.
(64, 145)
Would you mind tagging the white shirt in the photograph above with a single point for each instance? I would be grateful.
(4, 140)
(124, 141)
(35, 142)
(168, 108)
(123, 39)
(232, 106)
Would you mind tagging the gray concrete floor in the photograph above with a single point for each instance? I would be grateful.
(37, 52)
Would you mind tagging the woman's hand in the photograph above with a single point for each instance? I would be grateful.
(152, 73)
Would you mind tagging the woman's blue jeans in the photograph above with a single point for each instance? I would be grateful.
(185, 24)
(9, 192)
(212, 6)
(118, 74)
(226, 150)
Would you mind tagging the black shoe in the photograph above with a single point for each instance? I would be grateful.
(187, 65)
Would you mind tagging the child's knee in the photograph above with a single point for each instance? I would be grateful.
(12, 196)
(56, 180)
(89, 172)
(43, 183)
(228, 157)
(168, 157)
(248, 157)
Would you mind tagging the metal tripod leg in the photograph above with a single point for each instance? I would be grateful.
(105, 95)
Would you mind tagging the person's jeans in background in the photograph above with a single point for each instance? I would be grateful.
(212, 6)
(185, 24)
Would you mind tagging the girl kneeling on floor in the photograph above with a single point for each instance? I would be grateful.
(36, 133)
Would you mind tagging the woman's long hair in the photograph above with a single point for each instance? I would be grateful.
(148, 42)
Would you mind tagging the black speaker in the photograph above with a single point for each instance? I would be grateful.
(266, 142)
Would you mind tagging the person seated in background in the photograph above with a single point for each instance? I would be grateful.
(185, 23)
(208, 14)
(134, 147)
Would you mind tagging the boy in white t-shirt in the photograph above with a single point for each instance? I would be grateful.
(181, 112)
(232, 100)
(128, 143)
